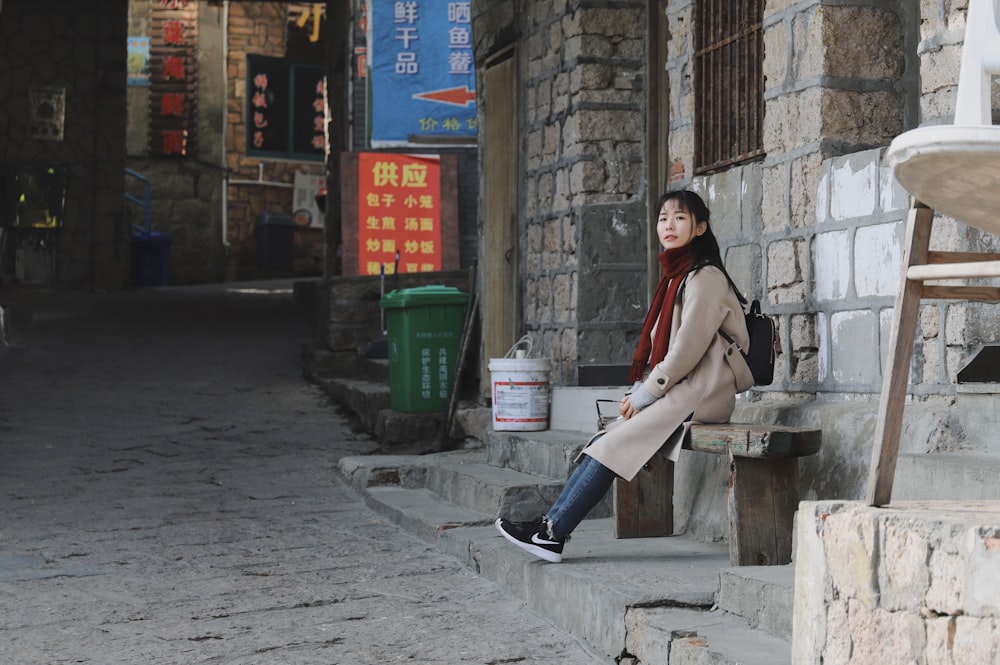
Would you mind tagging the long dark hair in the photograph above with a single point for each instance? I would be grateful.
(704, 249)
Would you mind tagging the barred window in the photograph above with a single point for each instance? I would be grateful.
(729, 83)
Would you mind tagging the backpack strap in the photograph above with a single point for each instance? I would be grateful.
(730, 340)
(736, 289)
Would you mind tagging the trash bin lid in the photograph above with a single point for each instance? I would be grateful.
(152, 237)
(435, 294)
(275, 219)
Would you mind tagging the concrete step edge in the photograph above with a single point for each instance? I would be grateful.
(947, 476)
(492, 490)
(461, 478)
(763, 596)
(547, 453)
(700, 638)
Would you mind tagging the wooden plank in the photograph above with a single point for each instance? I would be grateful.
(715, 439)
(960, 257)
(896, 373)
(753, 440)
(762, 498)
(973, 293)
(499, 240)
(644, 508)
(976, 270)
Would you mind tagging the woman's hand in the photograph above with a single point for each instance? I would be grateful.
(636, 401)
(626, 409)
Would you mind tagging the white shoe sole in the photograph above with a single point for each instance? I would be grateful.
(540, 552)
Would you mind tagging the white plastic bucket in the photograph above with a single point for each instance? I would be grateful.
(520, 393)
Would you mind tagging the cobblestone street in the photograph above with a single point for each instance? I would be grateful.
(168, 496)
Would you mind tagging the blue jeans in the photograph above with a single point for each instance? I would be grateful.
(586, 486)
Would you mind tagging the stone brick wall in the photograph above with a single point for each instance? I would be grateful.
(911, 584)
(797, 228)
(582, 198)
(814, 228)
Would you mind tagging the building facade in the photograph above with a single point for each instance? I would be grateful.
(610, 110)
(62, 157)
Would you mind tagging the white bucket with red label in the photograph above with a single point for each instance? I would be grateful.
(520, 391)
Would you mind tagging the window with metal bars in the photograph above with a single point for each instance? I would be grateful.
(728, 83)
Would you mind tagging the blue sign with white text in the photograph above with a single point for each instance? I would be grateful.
(422, 74)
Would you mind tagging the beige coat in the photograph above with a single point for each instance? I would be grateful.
(700, 375)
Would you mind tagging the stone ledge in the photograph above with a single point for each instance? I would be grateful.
(920, 576)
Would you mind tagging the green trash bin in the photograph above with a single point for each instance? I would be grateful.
(424, 329)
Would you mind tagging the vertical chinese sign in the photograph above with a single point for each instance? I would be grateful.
(422, 74)
(399, 210)
(173, 77)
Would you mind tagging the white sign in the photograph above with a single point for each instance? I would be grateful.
(304, 208)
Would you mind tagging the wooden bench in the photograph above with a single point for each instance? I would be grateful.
(762, 494)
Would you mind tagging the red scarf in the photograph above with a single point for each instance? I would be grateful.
(676, 264)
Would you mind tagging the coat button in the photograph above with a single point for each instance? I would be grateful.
(729, 352)
(660, 381)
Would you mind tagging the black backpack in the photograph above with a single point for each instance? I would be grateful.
(760, 355)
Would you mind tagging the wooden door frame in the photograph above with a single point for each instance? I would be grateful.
(500, 257)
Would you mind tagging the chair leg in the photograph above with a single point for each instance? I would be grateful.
(644, 508)
(896, 375)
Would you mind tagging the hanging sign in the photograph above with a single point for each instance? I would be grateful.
(399, 210)
(422, 80)
(173, 81)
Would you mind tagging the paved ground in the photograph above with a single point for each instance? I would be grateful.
(167, 496)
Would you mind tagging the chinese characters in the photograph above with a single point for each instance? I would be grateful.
(172, 78)
(399, 210)
(422, 71)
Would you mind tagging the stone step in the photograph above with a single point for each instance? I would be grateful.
(463, 478)
(588, 595)
(762, 596)
(947, 476)
(547, 453)
(493, 490)
(321, 362)
(977, 408)
(647, 596)
(700, 638)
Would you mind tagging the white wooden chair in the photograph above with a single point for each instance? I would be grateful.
(953, 169)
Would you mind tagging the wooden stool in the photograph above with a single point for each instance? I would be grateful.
(762, 495)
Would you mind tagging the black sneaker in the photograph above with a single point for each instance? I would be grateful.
(532, 537)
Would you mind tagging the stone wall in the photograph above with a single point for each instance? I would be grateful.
(948, 329)
(41, 50)
(355, 315)
(827, 93)
(814, 228)
(582, 201)
(914, 583)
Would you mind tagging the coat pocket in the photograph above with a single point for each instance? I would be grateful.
(737, 363)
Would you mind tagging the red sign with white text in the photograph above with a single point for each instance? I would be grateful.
(399, 210)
